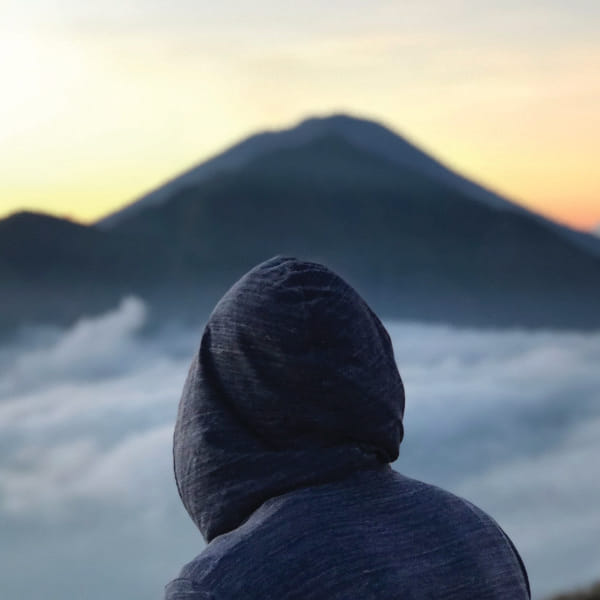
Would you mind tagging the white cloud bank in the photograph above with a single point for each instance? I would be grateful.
(509, 419)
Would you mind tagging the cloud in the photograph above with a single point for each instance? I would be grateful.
(93, 348)
(549, 503)
(509, 419)
(87, 417)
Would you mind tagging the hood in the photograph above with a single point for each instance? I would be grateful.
(294, 384)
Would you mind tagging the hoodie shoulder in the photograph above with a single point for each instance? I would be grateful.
(482, 524)
(368, 536)
(484, 517)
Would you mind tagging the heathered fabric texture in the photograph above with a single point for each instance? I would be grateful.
(289, 418)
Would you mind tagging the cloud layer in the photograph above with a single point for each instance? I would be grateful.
(88, 505)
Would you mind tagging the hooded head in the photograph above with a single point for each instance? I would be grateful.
(294, 384)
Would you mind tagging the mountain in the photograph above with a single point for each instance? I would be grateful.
(591, 593)
(369, 136)
(416, 244)
(53, 270)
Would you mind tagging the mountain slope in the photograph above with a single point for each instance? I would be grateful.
(53, 270)
(415, 245)
(418, 248)
(363, 134)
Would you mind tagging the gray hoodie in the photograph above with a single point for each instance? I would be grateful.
(289, 419)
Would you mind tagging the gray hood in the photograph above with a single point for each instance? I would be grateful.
(294, 384)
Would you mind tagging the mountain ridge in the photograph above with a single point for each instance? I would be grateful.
(364, 133)
(404, 238)
(414, 246)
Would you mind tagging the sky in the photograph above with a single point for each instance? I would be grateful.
(102, 102)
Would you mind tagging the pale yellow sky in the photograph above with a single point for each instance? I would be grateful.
(101, 104)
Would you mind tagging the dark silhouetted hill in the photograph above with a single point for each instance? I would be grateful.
(592, 593)
(54, 271)
(366, 135)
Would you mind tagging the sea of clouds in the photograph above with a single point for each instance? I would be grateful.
(509, 419)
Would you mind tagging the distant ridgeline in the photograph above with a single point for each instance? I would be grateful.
(416, 239)
(592, 593)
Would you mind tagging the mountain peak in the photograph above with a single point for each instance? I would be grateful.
(26, 215)
(338, 121)
(365, 134)
(29, 218)
(422, 241)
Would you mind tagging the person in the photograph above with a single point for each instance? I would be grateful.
(290, 416)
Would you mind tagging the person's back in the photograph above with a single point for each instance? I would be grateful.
(291, 414)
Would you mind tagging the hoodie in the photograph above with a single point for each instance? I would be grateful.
(290, 416)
